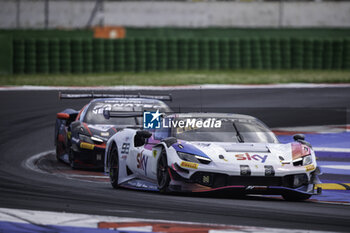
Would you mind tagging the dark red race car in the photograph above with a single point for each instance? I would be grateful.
(81, 136)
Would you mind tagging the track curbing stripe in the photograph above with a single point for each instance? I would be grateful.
(333, 186)
(347, 187)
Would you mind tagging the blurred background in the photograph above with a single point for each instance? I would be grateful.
(103, 36)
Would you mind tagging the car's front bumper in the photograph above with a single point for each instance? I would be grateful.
(276, 185)
(86, 155)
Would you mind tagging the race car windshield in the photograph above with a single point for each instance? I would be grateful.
(94, 115)
(230, 130)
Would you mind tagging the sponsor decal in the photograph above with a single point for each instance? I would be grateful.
(142, 162)
(202, 144)
(223, 158)
(104, 134)
(69, 134)
(180, 146)
(310, 167)
(125, 148)
(154, 153)
(98, 157)
(88, 146)
(124, 157)
(255, 187)
(245, 170)
(206, 179)
(247, 156)
(269, 170)
(189, 165)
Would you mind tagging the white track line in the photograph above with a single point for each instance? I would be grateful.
(330, 149)
(30, 163)
(184, 87)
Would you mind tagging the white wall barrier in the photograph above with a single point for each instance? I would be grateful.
(75, 14)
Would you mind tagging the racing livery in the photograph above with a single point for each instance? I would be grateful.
(81, 136)
(237, 152)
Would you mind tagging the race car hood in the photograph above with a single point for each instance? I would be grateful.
(250, 153)
(101, 131)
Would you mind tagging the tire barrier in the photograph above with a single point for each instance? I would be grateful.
(65, 56)
(32, 56)
(19, 56)
(77, 55)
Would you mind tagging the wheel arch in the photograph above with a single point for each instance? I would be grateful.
(161, 146)
(110, 145)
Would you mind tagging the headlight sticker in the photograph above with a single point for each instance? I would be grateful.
(189, 165)
(310, 167)
(88, 146)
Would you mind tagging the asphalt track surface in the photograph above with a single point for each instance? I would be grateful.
(27, 128)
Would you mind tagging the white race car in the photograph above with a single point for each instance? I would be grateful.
(200, 152)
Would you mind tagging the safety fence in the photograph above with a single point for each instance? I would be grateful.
(137, 55)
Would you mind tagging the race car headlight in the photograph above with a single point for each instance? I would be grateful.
(307, 160)
(85, 138)
(193, 158)
(303, 161)
(92, 139)
(96, 140)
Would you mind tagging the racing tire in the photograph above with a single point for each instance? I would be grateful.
(296, 196)
(163, 177)
(57, 152)
(114, 166)
(72, 164)
(59, 148)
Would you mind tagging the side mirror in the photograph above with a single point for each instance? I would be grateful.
(144, 133)
(301, 139)
(69, 116)
(62, 116)
(298, 137)
(140, 137)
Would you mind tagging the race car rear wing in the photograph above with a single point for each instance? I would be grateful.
(108, 114)
(93, 95)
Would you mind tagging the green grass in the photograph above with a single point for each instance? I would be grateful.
(180, 78)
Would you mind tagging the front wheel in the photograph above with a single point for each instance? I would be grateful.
(71, 159)
(163, 177)
(58, 152)
(296, 196)
(114, 166)
(59, 149)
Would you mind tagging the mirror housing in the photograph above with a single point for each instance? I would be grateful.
(298, 137)
(140, 137)
(69, 115)
(63, 116)
(301, 139)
